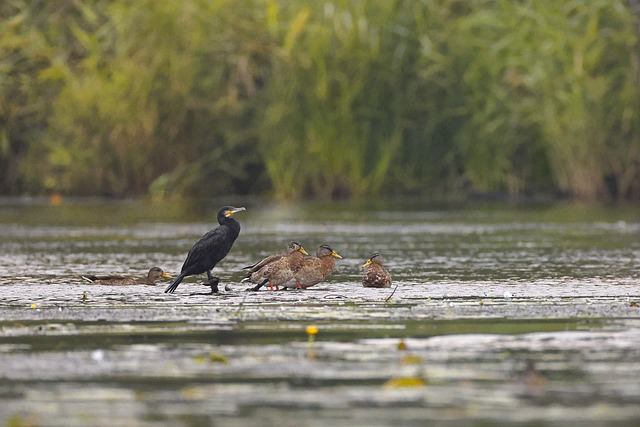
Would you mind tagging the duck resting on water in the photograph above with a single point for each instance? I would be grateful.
(210, 249)
(375, 275)
(314, 269)
(154, 274)
(276, 270)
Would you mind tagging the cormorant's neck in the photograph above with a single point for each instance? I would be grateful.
(227, 221)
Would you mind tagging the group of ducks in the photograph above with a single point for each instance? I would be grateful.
(295, 269)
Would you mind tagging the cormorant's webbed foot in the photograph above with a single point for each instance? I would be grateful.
(213, 284)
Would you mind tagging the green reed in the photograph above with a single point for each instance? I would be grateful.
(320, 98)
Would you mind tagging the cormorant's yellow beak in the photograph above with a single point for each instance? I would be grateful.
(166, 275)
(234, 210)
(336, 254)
(367, 264)
(302, 251)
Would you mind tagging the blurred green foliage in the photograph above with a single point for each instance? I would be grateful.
(343, 98)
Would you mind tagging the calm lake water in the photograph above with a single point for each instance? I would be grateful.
(483, 291)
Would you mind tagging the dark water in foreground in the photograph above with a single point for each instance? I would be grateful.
(482, 291)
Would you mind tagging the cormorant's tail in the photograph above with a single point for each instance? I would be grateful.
(172, 287)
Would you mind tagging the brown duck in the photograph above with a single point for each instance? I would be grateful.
(375, 275)
(154, 274)
(315, 269)
(278, 269)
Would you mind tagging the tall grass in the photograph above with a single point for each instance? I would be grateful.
(343, 98)
(337, 98)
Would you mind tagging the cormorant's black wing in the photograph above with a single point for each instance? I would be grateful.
(209, 250)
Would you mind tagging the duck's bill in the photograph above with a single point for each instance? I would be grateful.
(336, 254)
(167, 276)
(302, 251)
(367, 264)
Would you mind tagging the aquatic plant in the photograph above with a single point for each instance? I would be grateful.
(323, 99)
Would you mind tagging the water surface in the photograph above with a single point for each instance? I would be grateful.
(482, 291)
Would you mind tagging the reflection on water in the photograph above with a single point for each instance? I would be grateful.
(482, 294)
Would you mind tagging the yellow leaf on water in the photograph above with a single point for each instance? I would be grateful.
(411, 360)
(19, 421)
(218, 358)
(405, 382)
(212, 357)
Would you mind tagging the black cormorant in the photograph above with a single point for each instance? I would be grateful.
(210, 249)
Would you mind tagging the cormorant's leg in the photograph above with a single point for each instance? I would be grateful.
(212, 282)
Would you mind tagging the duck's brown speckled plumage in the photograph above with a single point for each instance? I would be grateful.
(116, 280)
(315, 269)
(375, 275)
(276, 270)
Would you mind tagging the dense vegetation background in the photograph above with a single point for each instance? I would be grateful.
(320, 98)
